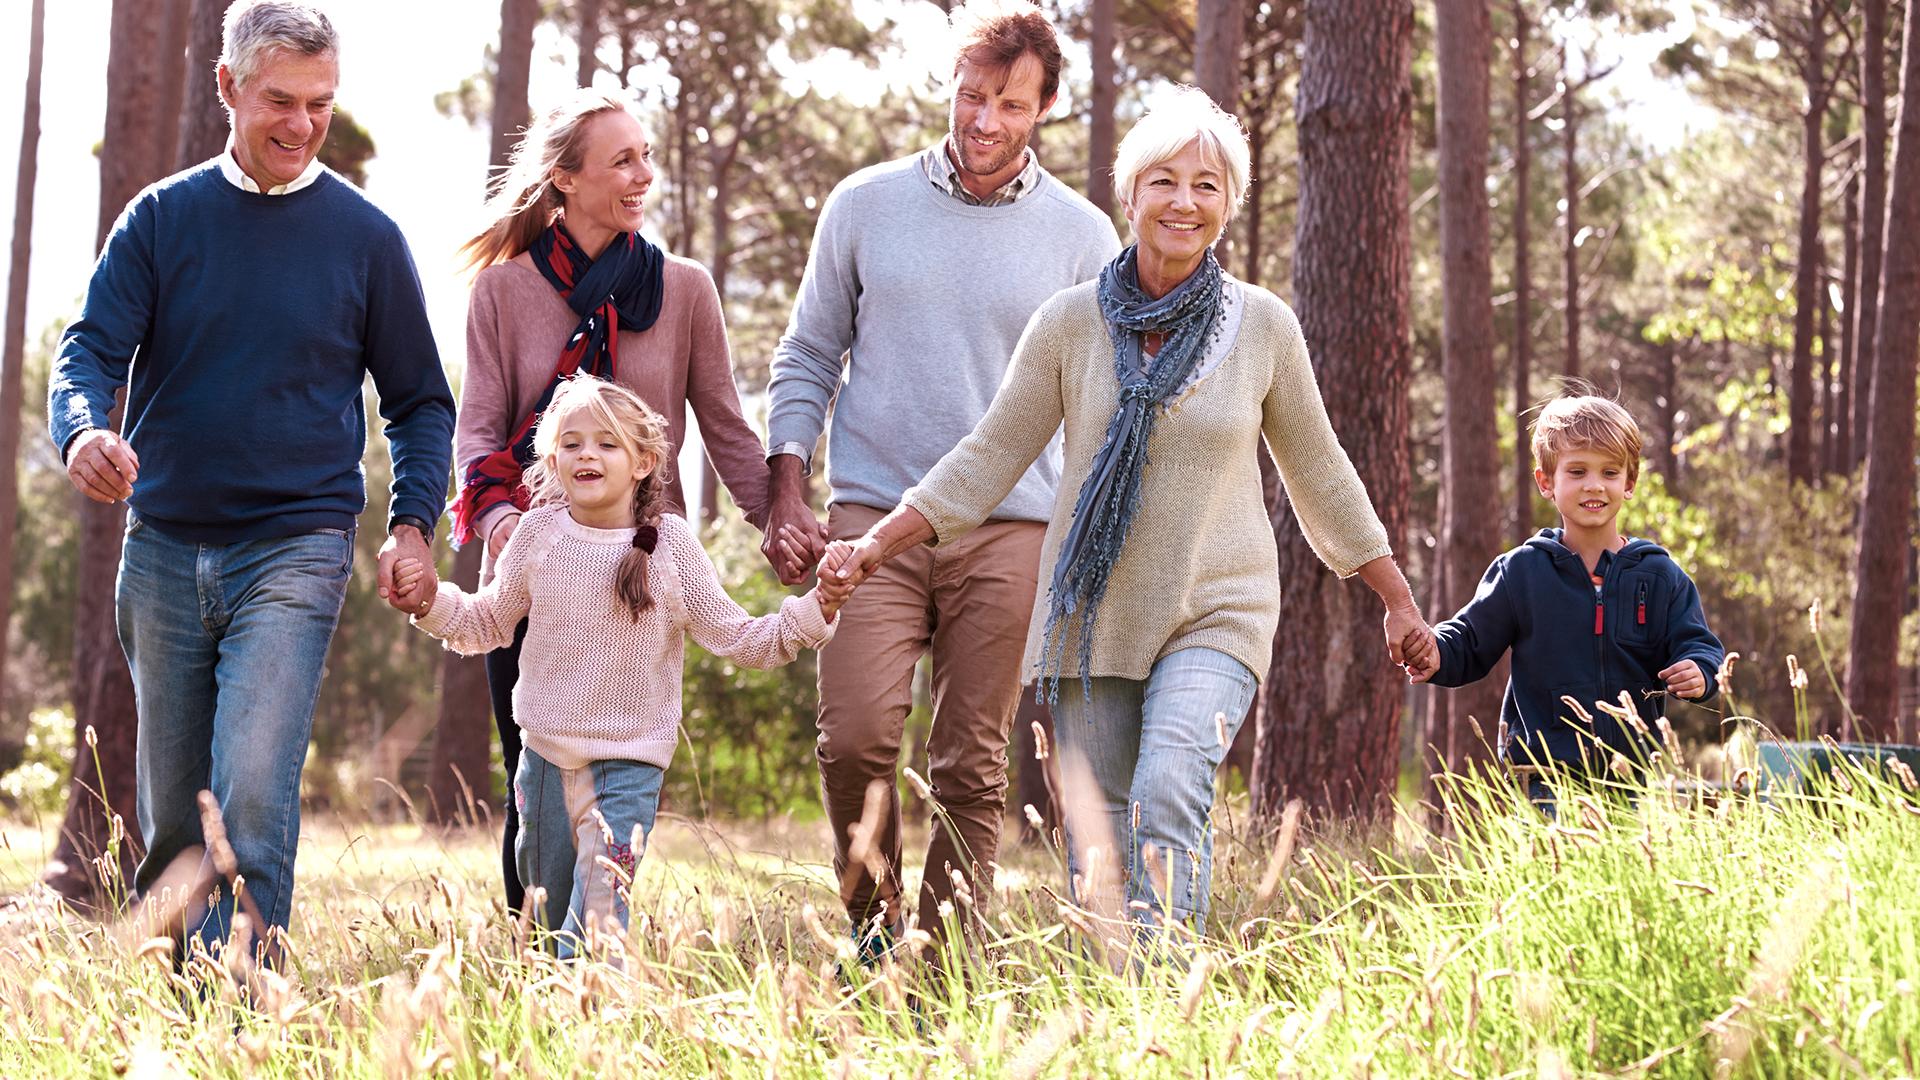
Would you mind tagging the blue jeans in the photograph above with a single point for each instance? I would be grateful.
(571, 819)
(227, 644)
(1152, 748)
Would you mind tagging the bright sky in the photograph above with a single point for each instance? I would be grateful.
(429, 170)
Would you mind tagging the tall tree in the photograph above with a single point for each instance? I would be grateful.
(203, 121)
(1522, 272)
(1807, 41)
(1470, 486)
(1841, 458)
(1101, 140)
(1886, 520)
(1570, 170)
(1873, 210)
(13, 352)
(460, 772)
(137, 149)
(512, 65)
(1332, 735)
(1219, 26)
(587, 35)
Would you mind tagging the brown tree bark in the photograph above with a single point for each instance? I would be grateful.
(13, 351)
(587, 35)
(1806, 282)
(136, 149)
(1219, 29)
(1522, 274)
(1469, 455)
(461, 770)
(1101, 101)
(1331, 733)
(203, 120)
(1886, 518)
(460, 776)
(1570, 176)
(1873, 209)
(511, 67)
(1823, 366)
(1840, 459)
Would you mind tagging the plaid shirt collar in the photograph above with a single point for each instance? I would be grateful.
(945, 175)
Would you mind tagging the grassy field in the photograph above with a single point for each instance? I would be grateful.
(1634, 937)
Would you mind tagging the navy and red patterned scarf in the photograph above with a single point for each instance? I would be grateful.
(621, 290)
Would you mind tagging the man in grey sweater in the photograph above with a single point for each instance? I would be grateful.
(923, 274)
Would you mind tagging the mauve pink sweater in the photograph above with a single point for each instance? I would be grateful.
(516, 325)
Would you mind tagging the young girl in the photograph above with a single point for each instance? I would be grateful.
(610, 588)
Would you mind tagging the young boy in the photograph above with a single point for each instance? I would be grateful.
(1587, 612)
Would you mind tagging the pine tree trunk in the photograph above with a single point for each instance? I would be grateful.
(1873, 209)
(13, 352)
(1101, 101)
(1522, 276)
(1886, 519)
(135, 151)
(1823, 365)
(1219, 27)
(1570, 165)
(1470, 531)
(203, 121)
(461, 772)
(1806, 283)
(511, 67)
(1841, 458)
(587, 31)
(1331, 731)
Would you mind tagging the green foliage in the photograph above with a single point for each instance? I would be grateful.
(748, 734)
(38, 784)
(45, 559)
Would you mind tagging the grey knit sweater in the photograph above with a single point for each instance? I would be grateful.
(918, 300)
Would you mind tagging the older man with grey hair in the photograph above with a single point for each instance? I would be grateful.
(241, 303)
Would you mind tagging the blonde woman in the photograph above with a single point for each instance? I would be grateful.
(567, 285)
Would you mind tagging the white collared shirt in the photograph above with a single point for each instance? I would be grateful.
(230, 168)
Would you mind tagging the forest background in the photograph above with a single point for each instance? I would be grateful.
(1685, 203)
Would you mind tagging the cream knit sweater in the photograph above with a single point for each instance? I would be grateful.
(594, 684)
(1200, 567)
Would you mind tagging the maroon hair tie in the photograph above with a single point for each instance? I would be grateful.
(646, 537)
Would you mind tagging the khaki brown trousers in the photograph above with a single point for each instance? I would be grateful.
(968, 603)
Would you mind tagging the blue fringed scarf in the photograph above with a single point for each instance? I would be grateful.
(1110, 496)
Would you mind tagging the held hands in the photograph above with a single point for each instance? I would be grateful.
(405, 542)
(102, 466)
(845, 566)
(414, 585)
(1410, 644)
(794, 538)
(1684, 680)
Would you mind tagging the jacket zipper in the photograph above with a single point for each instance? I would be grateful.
(1642, 605)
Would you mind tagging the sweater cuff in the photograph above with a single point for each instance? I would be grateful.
(809, 621)
(437, 618)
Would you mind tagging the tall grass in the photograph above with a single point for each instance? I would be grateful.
(1638, 934)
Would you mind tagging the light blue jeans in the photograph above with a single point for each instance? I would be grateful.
(571, 819)
(227, 644)
(1152, 748)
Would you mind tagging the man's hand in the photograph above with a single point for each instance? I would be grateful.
(404, 542)
(789, 517)
(1684, 680)
(501, 532)
(848, 563)
(1410, 642)
(102, 466)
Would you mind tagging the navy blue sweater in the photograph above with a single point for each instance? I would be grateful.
(249, 322)
(1538, 601)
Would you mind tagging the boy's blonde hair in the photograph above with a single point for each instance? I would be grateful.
(640, 431)
(1586, 422)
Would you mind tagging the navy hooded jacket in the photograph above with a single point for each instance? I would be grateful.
(1538, 601)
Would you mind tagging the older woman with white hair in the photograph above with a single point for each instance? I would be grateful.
(1165, 595)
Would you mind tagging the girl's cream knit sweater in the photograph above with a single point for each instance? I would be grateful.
(595, 684)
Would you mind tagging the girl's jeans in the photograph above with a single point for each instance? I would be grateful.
(1152, 749)
(571, 820)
